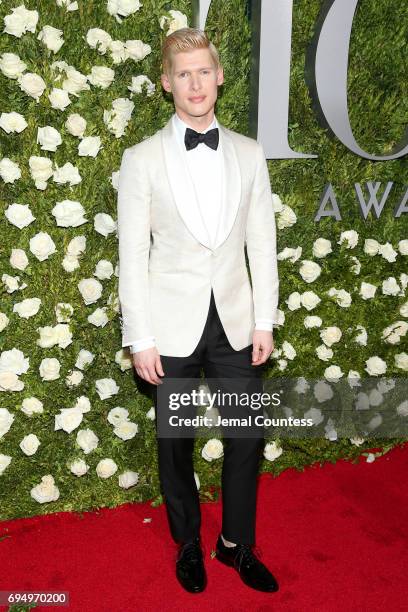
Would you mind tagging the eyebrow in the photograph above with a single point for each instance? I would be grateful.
(188, 70)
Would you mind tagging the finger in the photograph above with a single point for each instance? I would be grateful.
(159, 367)
(152, 375)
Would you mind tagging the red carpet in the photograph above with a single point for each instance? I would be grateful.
(335, 537)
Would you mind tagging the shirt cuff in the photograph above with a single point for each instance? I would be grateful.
(264, 324)
(142, 344)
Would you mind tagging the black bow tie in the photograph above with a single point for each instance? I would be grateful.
(193, 138)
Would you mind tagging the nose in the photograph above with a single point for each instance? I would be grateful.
(195, 82)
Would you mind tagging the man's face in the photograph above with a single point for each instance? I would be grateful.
(193, 82)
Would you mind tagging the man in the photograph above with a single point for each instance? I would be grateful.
(190, 198)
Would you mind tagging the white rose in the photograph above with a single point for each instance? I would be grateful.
(49, 138)
(353, 378)
(288, 350)
(11, 282)
(14, 361)
(390, 286)
(333, 372)
(367, 290)
(4, 321)
(19, 215)
(91, 290)
(213, 449)
(371, 247)
(74, 378)
(27, 308)
(330, 335)
(59, 98)
(286, 218)
(48, 336)
(69, 213)
(104, 224)
(151, 413)
(101, 76)
(322, 247)
(18, 259)
(140, 84)
(106, 468)
(375, 366)
(67, 174)
(312, 321)
(123, 8)
(9, 170)
(77, 246)
(42, 246)
(68, 419)
(99, 318)
(402, 409)
(10, 382)
(357, 441)
(277, 203)
(282, 364)
(123, 359)
(356, 267)
(342, 297)
(393, 333)
(46, 491)
(118, 51)
(137, 49)
(291, 254)
(87, 440)
(79, 467)
(6, 420)
(403, 246)
(98, 39)
(51, 37)
(388, 252)
(89, 146)
(103, 269)
(70, 263)
(118, 415)
(272, 451)
(309, 300)
(83, 404)
(12, 122)
(128, 479)
(401, 361)
(76, 125)
(106, 387)
(84, 358)
(11, 65)
(177, 21)
(361, 338)
(309, 270)
(29, 444)
(32, 84)
(75, 82)
(293, 301)
(404, 310)
(324, 353)
(126, 430)
(41, 170)
(350, 237)
(20, 21)
(70, 6)
(32, 405)
(49, 368)
(322, 391)
(5, 461)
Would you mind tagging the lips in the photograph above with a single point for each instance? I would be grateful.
(197, 99)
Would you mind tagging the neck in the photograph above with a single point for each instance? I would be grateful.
(197, 123)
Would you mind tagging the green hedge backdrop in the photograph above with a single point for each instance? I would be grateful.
(378, 108)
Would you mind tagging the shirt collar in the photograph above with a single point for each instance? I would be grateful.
(181, 126)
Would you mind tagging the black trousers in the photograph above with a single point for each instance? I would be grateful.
(217, 358)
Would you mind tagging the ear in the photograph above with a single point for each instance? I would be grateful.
(165, 82)
(220, 76)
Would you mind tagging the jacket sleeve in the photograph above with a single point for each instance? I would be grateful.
(133, 215)
(261, 243)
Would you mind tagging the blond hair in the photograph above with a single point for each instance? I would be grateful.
(186, 39)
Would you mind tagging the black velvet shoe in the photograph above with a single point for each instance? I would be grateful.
(190, 569)
(251, 570)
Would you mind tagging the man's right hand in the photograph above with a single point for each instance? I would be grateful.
(148, 365)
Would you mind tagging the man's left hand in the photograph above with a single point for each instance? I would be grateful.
(262, 346)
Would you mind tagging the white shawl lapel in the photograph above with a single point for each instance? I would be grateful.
(183, 189)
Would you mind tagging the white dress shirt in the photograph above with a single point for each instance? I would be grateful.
(205, 168)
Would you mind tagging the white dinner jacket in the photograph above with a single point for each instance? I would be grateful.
(167, 264)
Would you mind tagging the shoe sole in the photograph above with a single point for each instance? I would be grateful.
(230, 563)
